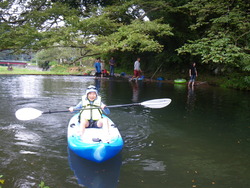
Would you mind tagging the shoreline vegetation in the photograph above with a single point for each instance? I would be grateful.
(202, 79)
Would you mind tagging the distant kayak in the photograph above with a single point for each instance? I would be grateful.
(95, 145)
(180, 81)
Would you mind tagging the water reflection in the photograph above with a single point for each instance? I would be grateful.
(29, 86)
(135, 88)
(179, 87)
(95, 175)
(98, 84)
(191, 99)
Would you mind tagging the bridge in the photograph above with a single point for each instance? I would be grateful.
(13, 62)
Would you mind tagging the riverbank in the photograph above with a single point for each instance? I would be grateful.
(235, 81)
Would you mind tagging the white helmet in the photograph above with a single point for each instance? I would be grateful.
(91, 88)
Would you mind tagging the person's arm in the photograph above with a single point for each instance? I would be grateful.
(105, 109)
(103, 105)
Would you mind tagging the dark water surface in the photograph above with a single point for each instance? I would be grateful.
(202, 139)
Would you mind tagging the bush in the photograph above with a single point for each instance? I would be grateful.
(238, 82)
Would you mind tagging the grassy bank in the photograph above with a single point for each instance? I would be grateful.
(56, 70)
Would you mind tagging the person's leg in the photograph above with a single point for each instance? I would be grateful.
(84, 123)
(193, 80)
(138, 74)
(134, 76)
(105, 125)
(99, 123)
(111, 71)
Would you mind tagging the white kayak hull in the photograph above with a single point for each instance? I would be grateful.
(96, 145)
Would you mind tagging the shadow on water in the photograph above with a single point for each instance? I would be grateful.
(95, 175)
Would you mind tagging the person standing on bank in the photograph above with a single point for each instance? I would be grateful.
(193, 74)
(137, 68)
(112, 66)
(97, 66)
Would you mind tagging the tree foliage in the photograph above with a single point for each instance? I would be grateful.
(215, 32)
(223, 32)
(37, 28)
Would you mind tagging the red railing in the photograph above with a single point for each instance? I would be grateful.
(13, 62)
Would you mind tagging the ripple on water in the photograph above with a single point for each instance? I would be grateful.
(27, 136)
(153, 165)
(25, 183)
(13, 127)
(19, 135)
(22, 134)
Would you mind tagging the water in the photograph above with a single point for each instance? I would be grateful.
(200, 140)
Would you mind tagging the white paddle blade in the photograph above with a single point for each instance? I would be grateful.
(27, 114)
(157, 103)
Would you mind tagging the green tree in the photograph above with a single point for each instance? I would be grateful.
(36, 27)
(223, 32)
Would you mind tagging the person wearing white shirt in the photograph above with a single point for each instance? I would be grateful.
(137, 68)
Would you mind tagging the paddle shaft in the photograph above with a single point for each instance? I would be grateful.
(111, 106)
(52, 112)
(31, 113)
(146, 103)
(123, 105)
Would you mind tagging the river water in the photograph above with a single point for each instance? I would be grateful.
(202, 139)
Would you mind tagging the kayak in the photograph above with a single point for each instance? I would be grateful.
(180, 81)
(96, 144)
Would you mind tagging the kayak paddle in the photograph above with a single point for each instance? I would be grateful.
(32, 113)
(155, 103)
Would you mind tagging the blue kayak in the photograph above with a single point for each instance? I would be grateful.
(96, 144)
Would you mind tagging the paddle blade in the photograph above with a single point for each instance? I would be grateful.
(27, 114)
(106, 111)
(157, 103)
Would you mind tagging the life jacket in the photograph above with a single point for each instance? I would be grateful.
(87, 112)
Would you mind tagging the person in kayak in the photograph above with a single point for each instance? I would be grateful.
(91, 110)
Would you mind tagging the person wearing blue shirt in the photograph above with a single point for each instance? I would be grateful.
(97, 66)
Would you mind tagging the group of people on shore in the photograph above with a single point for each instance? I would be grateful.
(101, 71)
